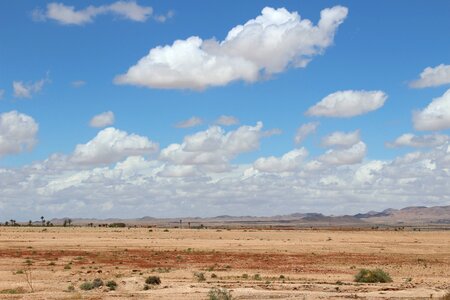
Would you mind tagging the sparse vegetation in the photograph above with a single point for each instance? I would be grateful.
(200, 276)
(112, 285)
(87, 286)
(154, 280)
(372, 276)
(19, 290)
(219, 294)
(257, 277)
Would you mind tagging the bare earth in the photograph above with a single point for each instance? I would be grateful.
(314, 264)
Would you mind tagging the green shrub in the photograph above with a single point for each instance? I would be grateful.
(97, 282)
(112, 285)
(87, 286)
(153, 280)
(257, 277)
(219, 294)
(372, 276)
(200, 276)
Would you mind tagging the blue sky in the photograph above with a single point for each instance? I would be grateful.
(65, 60)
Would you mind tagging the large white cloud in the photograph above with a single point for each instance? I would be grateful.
(419, 141)
(111, 145)
(349, 103)
(341, 139)
(290, 161)
(268, 44)
(304, 130)
(436, 116)
(17, 133)
(102, 120)
(214, 148)
(68, 15)
(346, 156)
(430, 77)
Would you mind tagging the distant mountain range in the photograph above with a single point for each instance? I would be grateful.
(416, 215)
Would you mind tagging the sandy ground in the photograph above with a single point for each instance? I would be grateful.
(292, 264)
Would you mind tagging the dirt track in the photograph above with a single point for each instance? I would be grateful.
(313, 264)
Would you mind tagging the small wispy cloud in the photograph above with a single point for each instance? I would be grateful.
(27, 89)
(191, 122)
(69, 15)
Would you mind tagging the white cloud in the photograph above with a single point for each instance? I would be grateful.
(411, 140)
(213, 148)
(290, 161)
(305, 130)
(266, 45)
(78, 83)
(349, 103)
(430, 77)
(347, 156)
(68, 15)
(136, 185)
(341, 139)
(26, 90)
(17, 133)
(112, 145)
(227, 120)
(102, 120)
(436, 116)
(191, 122)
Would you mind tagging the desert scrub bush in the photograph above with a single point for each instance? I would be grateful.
(112, 285)
(446, 296)
(372, 276)
(245, 276)
(219, 294)
(153, 280)
(257, 277)
(19, 290)
(70, 289)
(97, 282)
(213, 275)
(87, 286)
(200, 276)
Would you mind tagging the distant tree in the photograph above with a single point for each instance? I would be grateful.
(30, 223)
(69, 221)
(48, 223)
(6, 223)
(43, 220)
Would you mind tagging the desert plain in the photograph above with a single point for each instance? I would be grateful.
(251, 263)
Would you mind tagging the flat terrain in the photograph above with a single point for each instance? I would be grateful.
(251, 264)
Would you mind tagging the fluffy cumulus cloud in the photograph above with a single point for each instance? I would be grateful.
(112, 145)
(227, 120)
(346, 156)
(304, 130)
(102, 120)
(27, 89)
(68, 15)
(289, 162)
(17, 133)
(349, 103)
(186, 180)
(430, 77)
(341, 139)
(436, 116)
(213, 148)
(191, 122)
(266, 45)
(419, 141)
